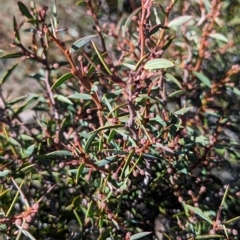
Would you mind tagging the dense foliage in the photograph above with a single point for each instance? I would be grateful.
(134, 134)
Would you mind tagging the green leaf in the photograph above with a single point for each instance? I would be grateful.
(17, 100)
(219, 37)
(126, 136)
(81, 42)
(139, 235)
(171, 78)
(25, 137)
(205, 80)
(62, 98)
(209, 236)
(179, 21)
(29, 151)
(130, 66)
(16, 29)
(12, 55)
(94, 133)
(177, 93)
(14, 142)
(129, 19)
(61, 80)
(60, 153)
(236, 91)
(7, 74)
(79, 172)
(127, 161)
(24, 10)
(158, 63)
(183, 110)
(4, 173)
(101, 59)
(33, 21)
(81, 96)
(199, 212)
(155, 29)
(81, 3)
(54, 9)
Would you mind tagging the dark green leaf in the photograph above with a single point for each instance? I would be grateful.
(171, 78)
(16, 29)
(8, 74)
(155, 29)
(11, 55)
(79, 172)
(94, 133)
(61, 80)
(24, 10)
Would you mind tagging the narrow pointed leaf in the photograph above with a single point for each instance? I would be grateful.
(62, 98)
(219, 37)
(101, 59)
(158, 63)
(8, 74)
(183, 110)
(205, 80)
(81, 42)
(171, 78)
(24, 10)
(60, 153)
(155, 29)
(11, 55)
(16, 29)
(200, 213)
(139, 235)
(81, 96)
(61, 80)
(179, 21)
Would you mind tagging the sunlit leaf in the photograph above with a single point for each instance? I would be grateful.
(158, 63)
(29, 151)
(81, 96)
(139, 235)
(183, 110)
(4, 173)
(219, 37)
(205, 80)
(62, 98)
(81, 42)
(176, 22)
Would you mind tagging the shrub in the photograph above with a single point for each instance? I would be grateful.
(135, 129)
